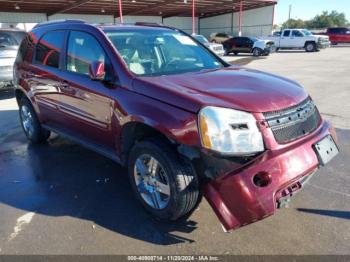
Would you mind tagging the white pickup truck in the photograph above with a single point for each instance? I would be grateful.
(299, 39)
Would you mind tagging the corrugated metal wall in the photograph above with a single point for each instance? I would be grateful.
(256, 22)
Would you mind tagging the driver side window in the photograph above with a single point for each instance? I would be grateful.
(82, 50)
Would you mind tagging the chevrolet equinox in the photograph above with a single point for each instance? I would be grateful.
(185, 123)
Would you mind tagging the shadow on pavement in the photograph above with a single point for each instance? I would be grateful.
(60, 178)
(330, 213)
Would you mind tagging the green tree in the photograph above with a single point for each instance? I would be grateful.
(294, 23)
(326, 19)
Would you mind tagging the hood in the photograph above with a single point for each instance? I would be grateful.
(322, 36)
(231, 87)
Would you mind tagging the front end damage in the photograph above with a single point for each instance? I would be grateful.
(243, 193)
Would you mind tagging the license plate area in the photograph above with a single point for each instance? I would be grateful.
(326, 150)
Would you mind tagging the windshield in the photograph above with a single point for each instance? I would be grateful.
(254, 39)
(201, 39)
(161, 52)
(7, 40)
(306, 32)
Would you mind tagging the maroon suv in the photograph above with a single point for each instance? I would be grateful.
(184, 122)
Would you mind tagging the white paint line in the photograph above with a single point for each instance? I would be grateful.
(330, 190)
(21, 222)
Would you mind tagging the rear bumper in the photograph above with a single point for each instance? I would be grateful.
(237, 201)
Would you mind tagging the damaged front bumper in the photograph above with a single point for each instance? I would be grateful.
(237, 198)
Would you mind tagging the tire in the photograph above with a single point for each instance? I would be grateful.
(236, 53)
(257, 52)
(30, 124)
(277, 50)
(310, 47)
(182, 192)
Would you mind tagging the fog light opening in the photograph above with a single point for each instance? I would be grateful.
(262, 179)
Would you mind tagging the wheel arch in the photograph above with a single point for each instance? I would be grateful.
(138, 130)
(309, 42)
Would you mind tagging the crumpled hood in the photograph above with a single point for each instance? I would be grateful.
(232, 87)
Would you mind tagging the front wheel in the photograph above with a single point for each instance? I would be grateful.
(257, 52)
(310, 47)
(30, 123)
(166, 185)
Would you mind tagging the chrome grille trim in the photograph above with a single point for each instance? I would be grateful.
(294, 122)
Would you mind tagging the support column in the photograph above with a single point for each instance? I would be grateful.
(273, 17)
(240, 17)
(120, 11)
(193, 17)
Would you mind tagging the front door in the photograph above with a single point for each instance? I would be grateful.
(297, 39)
(86, 104)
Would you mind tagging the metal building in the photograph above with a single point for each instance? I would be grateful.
(247, 17)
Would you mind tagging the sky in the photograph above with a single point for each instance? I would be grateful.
(307, 9)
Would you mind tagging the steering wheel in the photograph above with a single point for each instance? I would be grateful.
(172, 62)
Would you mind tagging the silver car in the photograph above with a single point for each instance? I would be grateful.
(10, 40)
(216, 48)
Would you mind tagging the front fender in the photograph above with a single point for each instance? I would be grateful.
(175, 123)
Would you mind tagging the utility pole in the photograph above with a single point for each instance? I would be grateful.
(290, 12)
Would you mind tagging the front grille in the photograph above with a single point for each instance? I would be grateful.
(218, 48)
(295, 122)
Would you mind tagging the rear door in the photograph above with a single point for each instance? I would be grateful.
(43, 75)
(86, 104)
(285, 41)
(247, 45)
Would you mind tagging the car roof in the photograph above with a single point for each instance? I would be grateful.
(106, 26)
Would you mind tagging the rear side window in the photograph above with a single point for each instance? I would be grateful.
(82, 50)
(286, 33)
(49, 48)
(25, 50)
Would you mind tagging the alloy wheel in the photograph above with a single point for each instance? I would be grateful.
(152, 181)
(27, 120)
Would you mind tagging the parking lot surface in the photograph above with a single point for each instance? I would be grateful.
(59, 198)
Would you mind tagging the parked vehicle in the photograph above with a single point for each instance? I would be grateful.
(299, 39)
(250, 45)
(183, 121)
(216, 48)
(9, 42)
(219, 37)
(338, 35)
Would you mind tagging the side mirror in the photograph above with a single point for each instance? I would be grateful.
(97, 71)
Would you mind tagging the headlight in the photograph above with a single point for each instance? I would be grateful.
(229, 131)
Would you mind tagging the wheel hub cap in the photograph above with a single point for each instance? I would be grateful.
(152, 181)
(27, 120)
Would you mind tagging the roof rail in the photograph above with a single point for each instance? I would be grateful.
(53, 22)
(150, 24)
